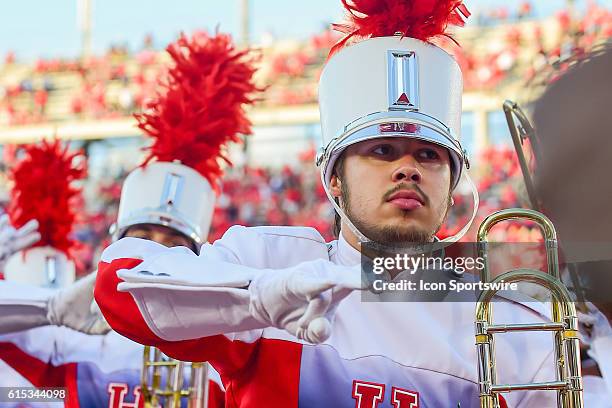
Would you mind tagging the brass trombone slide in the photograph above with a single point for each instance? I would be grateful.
(162, 382)
(564, 324)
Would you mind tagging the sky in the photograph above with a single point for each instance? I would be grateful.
(38, 28)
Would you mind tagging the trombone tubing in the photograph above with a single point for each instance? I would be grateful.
(547, 227)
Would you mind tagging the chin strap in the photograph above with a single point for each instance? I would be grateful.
(476, 203)
(363, 239)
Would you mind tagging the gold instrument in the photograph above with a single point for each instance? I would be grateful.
(564, 321)
(521, 130)
(162, 381)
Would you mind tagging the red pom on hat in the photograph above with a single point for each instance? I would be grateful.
(43, 190)
(200, 107)
(420, 19)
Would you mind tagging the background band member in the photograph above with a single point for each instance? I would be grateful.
(169, 200)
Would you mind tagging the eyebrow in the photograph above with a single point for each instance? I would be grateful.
(175, 234)
(141, 228)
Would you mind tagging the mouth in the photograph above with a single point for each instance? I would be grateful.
(406, 200)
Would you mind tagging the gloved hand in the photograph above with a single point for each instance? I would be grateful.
(13, 240)
(301, 299)
(75, 308)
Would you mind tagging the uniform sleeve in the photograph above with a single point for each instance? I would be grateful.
(227, 351)
(22, 306)
(231, 334)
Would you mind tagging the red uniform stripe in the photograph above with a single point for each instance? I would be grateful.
(119, 308)
(42, 374)
(123, 315)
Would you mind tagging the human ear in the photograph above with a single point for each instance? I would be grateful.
(335, 186)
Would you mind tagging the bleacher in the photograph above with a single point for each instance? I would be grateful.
(497, 61)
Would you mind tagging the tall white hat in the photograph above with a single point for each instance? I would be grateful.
(41, 266)
(198, 110)
(393, 83)
(168, 194)
(43, 190)
(391, 87)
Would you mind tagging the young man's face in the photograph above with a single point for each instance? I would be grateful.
(160, 234)
(395, 190)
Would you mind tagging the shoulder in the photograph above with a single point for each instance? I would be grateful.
(270, 246)
(274, 232)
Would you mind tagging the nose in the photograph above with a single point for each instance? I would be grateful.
(407, 170)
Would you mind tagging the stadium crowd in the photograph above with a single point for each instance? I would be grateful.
(118, 83)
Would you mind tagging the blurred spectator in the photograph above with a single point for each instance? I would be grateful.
(525, 10)
(40, 100)
(9, 58)
(117, 84)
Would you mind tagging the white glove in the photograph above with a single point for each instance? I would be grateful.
(13, 240)
(174, 282)
(74, 307)
(303, 300)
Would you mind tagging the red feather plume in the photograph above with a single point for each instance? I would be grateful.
(421, 19)
(43, 190)
(200, 107)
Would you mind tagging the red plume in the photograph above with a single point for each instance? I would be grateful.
(200, 107)
(43, 191)
(421, 19)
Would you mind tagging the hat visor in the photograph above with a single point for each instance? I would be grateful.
(166, 218)
(398, 129)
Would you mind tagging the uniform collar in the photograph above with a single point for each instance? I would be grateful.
(346, 254)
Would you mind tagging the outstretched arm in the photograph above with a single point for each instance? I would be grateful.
(24, 307)
(174, 295)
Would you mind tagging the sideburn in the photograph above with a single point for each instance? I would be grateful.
(339, 173)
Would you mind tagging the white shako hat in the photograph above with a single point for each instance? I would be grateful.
(40, 266)
(168, 194)
(394, 83)
(43, 189)
(197, 111)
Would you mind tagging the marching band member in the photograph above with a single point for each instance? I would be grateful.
(279, 311)
(37, 199)
(169, 200)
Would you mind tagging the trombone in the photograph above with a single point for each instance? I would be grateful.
(564, 325)
(163, 382)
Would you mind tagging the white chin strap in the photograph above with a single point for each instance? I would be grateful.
(476, 203)
(363, 239)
